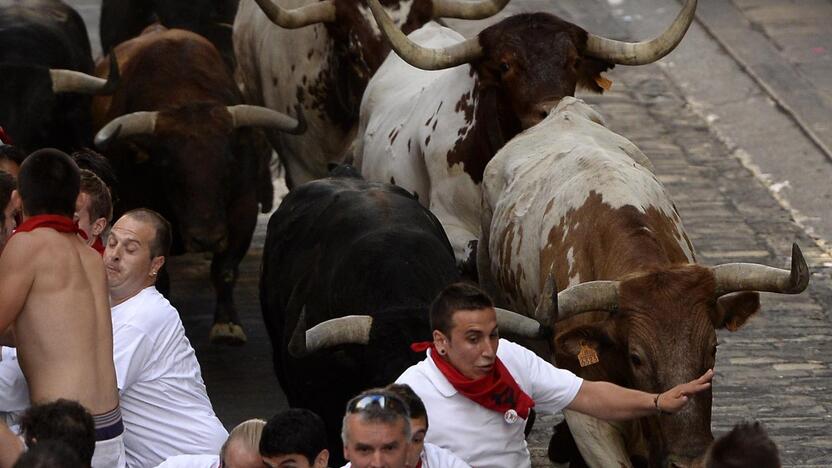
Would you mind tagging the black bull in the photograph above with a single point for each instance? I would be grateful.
(343, 246)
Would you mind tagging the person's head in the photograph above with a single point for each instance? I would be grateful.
(48, 183)
(242, 447)
(136, 249)
(418, 419)
(94, 206)
(464, 326)
(9, 204)
(295, 438)
(747, 445)
(99, 165)
(50, 454)
(64, 421)
(10, 159)
(376, 430)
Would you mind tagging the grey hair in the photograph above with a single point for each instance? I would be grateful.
(248, 433)
(377, 414)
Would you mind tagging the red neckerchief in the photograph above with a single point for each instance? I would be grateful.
(56, 222)
(5, 139)
(98, 245)
(419, 465)
(497, 391)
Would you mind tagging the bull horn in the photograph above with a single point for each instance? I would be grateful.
(71, 81)
(642, 53)
(137, 123)
(423, 57)
(256, 116)
(467, 10)
(317, 12)
(352, 329)
(586, 297)
(517, 324)
(548, 304)
(732, 277)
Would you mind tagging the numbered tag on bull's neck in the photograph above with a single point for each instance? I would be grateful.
(587, 356)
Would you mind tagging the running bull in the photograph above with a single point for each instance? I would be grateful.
(320, 54)
(433, 132)
(349, 270)
(182, 144)
(571, 206)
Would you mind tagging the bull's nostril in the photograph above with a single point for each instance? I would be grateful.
(544, 114)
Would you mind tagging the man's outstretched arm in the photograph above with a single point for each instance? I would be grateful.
(608, 401)
(10, 446)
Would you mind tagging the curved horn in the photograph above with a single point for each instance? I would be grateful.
(467, 10)
(641, 53)
(422, 57)
(352, 329)
(733, 277)
(586, 297)
(137, 123)
(71, 81)
(517, 324)
(256, 116)
(318, 12)
(547, 308)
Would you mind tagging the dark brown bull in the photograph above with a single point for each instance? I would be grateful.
(178, 140)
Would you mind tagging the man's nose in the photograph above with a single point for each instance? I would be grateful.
(488, 349)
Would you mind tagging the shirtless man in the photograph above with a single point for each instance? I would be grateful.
(54, 299)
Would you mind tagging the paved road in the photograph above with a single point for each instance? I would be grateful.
(748, 175)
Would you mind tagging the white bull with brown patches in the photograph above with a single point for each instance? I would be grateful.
(433, 128)
(320, 54)
(571, 206)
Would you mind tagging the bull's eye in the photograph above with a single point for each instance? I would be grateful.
(504, 67)
(635, 359)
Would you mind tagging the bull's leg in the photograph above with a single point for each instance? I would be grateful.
(601, 443)
(242, 216)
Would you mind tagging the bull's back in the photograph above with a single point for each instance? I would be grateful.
(68, 349)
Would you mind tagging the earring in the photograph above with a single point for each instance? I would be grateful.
(442, 352)
(152, 273)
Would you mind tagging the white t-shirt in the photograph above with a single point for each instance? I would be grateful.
(14, 393)
(191, 461)
(164, 403)
(435, 457)
(481, 436)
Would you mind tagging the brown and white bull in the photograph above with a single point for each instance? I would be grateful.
(183, 145)
(433, 132)
(571, 206)
(320, 54)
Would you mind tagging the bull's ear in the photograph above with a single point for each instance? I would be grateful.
(592, 338)
(589, 74)
(732, 310)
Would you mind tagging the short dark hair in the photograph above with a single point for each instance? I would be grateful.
(411, 399)
(64, 421)
(457, 296)
(49, 454)
(294, 431)
(161, 243)
(101, 202)
(7, 186)
(746, 445)
(12, 153)
(99, 165)
(48, 183)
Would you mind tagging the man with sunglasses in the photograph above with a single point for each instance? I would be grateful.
(376, 431)
(479, 389)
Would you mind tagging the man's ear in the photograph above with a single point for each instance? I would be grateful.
(99, 226)
(157, 263)
(439, 337)
(322, 460)
(587, 340)
(732, 310)
(15, 200)
(589, 74)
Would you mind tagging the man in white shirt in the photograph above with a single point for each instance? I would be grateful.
(478, 389)
(164, 403)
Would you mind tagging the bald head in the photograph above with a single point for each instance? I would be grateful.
(160, 247)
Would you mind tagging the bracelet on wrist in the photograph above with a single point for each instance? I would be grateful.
(656, 404)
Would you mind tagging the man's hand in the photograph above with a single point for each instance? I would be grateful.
(673, 400)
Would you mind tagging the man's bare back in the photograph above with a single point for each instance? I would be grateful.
(53, 292)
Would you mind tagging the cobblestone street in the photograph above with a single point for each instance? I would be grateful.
(777, 369)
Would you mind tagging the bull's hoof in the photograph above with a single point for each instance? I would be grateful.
(229, 334)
